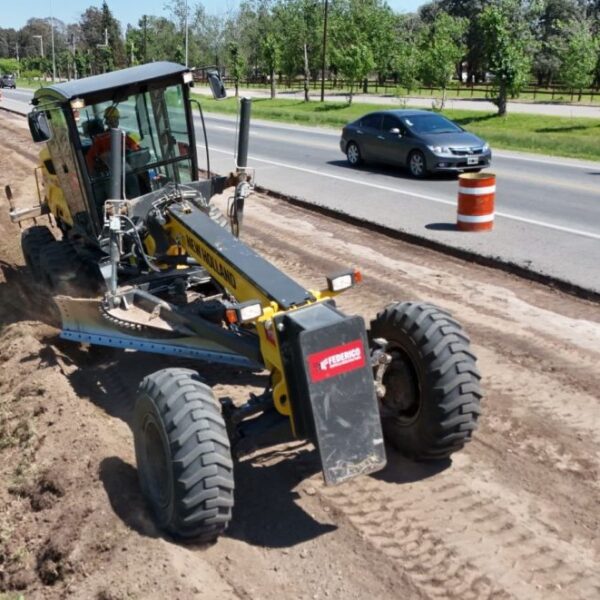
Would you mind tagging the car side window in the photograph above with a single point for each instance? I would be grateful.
(372, 121)
(390, 122)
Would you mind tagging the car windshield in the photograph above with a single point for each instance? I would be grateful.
(430, 124)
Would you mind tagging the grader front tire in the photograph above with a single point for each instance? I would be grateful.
(432, 400)
(183, 455)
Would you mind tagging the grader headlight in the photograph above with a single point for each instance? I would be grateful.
(244, 312)
(344, 280)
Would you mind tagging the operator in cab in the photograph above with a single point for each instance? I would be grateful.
(99, 152)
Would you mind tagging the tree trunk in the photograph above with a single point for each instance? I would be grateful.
(443, 99)
(365, 85)
(501, 100)
(237, 88)
(273, 89)
(306, 75)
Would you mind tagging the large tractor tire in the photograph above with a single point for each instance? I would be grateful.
(183, 455)
(33, 240)
(65, 272)
(432, 399)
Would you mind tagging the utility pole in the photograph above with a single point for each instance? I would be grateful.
(73, 53)
(324, 61)
(52, 38)
(145, 38)
(186, 33)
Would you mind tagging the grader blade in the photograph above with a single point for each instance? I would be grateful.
(85, 321)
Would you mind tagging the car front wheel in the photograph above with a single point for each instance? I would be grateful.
(353, 154)
(416, 164)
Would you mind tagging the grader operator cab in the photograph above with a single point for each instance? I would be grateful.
(141, 260)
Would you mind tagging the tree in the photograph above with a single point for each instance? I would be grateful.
(236, 65)
(442, 50)
(300, 23)
(507, 47)
(354, 64)
(9, 65)
(579, 56)
(466, 9)
(271, 53)
(101, 38)
(547, 19)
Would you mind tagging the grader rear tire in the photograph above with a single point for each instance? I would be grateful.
(33, 239)
(433, 394)
(183, 455)
(63, 271)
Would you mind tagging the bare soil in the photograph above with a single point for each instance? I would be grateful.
(515, 515)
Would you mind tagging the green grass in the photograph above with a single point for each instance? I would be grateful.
(575, 137)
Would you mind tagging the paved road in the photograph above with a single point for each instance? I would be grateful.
(548, 210)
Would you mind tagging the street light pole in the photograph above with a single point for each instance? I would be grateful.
(323, 63)
(41, 44)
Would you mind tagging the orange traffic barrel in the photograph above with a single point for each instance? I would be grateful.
(476, 194)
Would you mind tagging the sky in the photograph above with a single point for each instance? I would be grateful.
(126, 11)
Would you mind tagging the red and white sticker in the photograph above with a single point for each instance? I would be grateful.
(335, 361)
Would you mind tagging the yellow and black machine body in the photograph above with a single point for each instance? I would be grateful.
(138, 258)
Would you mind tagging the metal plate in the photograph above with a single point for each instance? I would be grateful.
(333, 393)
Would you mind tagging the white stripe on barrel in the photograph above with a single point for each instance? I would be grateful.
(471, 219)
(478, 191)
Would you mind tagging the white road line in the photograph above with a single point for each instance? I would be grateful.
(387, 188)
(546, 161)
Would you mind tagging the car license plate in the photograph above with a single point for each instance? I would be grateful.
(472, 160)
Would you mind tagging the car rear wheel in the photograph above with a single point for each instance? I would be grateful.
(416, 164)
(353, 154)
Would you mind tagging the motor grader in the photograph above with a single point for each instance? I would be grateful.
(138, 258)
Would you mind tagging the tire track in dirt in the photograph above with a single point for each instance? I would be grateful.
(488, 527)
(458, 541)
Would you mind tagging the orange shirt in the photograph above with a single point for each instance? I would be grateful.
(101, 146)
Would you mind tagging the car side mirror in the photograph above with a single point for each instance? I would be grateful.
(395, 131)
(216, 84)
(38, 126)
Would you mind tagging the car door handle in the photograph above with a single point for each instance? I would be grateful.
(380, 137)
(359, 131)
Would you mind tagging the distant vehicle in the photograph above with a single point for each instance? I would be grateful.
(8, 81)
(422, 141)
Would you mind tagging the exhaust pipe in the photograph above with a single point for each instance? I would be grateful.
(242, 189)
(116, 164)
(242, 150)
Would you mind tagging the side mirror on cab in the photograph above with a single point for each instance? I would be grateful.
(395, 131)
(38, 126)
(216, 84)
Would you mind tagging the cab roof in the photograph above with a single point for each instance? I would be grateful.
(98, 84)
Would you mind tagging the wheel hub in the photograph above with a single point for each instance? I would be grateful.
(402, 398)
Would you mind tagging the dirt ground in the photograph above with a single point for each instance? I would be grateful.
(515, 515)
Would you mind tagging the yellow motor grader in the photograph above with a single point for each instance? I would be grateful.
(145, 262)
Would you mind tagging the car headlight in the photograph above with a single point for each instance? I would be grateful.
(485, 148)
(440, 150)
